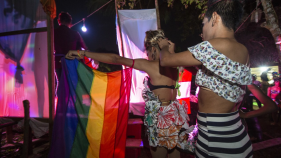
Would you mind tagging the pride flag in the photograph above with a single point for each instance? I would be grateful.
(92, 113)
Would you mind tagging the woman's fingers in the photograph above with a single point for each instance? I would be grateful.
(170, 42)
(163, 42)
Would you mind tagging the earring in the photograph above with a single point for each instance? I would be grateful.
(212, 23)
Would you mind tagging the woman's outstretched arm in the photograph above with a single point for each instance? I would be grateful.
(269, 105)
(109, 58)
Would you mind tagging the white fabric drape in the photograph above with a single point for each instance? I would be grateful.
(134, 24)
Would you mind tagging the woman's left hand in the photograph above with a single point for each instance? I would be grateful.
(72, 54)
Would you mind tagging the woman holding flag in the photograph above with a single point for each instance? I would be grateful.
(165, 118)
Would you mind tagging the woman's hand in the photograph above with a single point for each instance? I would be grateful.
(171, 47)
(163, 44)
(72, 54)
(242, 114)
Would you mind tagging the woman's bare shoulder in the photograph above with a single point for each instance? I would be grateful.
(231, 48)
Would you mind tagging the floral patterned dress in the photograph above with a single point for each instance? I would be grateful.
(167, 126)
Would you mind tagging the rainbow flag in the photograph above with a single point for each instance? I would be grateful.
(92, 113)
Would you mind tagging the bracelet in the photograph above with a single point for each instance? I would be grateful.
(78, 53)
(85, 53)
(133, 63)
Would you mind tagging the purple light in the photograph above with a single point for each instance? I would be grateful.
(84, 29)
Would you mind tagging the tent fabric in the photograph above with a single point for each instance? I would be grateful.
(23, 64)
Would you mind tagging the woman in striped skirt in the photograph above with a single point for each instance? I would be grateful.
(223, 74)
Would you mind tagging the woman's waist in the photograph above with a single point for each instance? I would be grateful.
(209, 102)
(215, 121)
(233, 93)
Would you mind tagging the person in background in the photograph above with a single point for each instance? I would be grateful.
(251, 96)
(274, 93)
(65, 39)
(264, 83)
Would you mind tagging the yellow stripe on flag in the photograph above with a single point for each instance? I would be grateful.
(96, 114)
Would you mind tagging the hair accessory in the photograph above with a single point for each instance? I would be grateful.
(133, 63)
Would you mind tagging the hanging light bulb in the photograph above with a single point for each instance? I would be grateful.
(84, 29)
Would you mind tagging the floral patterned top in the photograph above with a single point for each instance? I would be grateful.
(219, 73)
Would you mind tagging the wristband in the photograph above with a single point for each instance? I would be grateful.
(85, 53)
(133, 63)
(78, 53)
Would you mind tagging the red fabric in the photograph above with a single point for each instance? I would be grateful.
(88, 62)
(122, 120)
(187, 100)
(186, 76)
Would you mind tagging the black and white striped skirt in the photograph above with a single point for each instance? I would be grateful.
(223, 136)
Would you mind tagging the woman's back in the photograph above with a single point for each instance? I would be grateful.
(209, 101)
(164, 76)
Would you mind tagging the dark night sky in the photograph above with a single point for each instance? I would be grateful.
(101, 29)
(101, 32)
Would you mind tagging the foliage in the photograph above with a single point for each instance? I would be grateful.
(185, 16)
(260, 44)
(199, 4)
(182, 19)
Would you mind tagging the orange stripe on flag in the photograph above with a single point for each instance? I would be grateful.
(110, 114)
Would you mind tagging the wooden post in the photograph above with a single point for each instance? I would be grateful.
(0, 141)
(27, 137)
(120, 31)
(51, 71)
(9, 134)
(157, 14)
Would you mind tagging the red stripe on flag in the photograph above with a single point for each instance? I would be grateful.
(122, 120)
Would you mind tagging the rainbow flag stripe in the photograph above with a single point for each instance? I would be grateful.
(92, 113)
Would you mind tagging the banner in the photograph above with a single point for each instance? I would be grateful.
(92, 112)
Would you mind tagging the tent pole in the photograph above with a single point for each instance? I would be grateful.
(157, 14)
(120, 32)
(51, 77)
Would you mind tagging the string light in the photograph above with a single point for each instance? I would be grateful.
(84, 29)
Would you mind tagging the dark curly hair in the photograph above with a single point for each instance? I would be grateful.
(230, 11)
(65, 17)
(264, 76)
